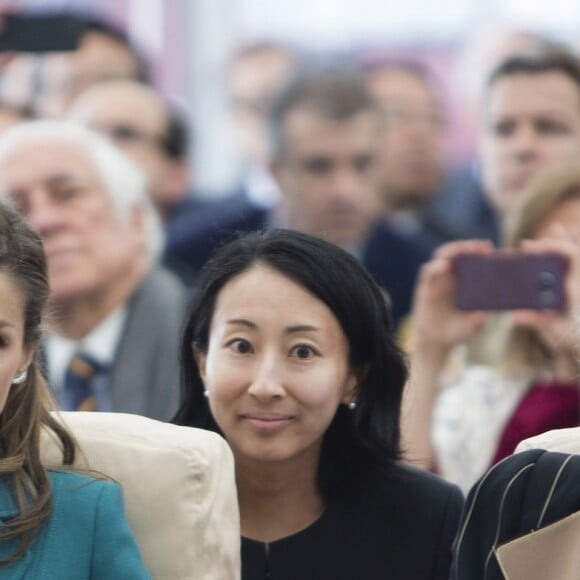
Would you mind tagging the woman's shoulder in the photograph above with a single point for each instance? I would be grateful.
(82, 489)
(397, 505)
(419, 482)
(81, 502)
(63, 478)
(88, 515)
(409, 489)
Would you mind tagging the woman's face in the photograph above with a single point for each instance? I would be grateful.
(14, 358)
(277, 367)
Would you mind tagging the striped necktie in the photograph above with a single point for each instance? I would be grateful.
(79, 381)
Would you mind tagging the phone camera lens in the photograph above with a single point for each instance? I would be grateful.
(546, 288)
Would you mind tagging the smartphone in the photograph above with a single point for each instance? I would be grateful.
(40, 32)
(510, 280)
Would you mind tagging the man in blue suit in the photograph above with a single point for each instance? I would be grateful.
(324, 130)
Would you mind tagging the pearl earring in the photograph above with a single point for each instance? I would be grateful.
(20, 378)
(352, 406)
(206, 394)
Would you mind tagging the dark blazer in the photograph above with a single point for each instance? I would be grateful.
(194, 236)
(394, 260)
(86, 537)
(461, 210)
(401, 528)
(392, 257)
(525, 492)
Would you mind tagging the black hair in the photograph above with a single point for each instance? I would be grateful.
(92, 23)
(540, 58)
(358, 442)
(336, 91)
(178, 139)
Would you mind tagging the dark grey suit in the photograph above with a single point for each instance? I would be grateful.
(144, 378)
(145, 374)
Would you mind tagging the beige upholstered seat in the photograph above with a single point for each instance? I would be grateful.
(178, 486)
(562, 440)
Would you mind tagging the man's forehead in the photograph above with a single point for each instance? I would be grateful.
(304, 119)
(552, 87)
(46, 160)
(39, 144)
(320, 137)
(398, 82)
(122, 100)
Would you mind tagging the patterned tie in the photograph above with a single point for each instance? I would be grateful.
(78, 383)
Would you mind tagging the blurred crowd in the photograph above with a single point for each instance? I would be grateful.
(352, 150)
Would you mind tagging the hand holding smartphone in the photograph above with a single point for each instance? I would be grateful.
(510, 280)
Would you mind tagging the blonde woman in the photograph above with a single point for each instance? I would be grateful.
(525, 380)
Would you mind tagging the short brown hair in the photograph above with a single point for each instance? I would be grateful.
(538, 59)
(336, 92)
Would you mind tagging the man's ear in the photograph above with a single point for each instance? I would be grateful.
(200, 359)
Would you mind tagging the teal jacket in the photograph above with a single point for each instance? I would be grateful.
(86, 537)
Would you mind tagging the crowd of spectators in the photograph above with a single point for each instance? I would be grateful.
(348, 153)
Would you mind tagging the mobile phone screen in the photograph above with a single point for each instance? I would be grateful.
(40, 32)
(510, 281)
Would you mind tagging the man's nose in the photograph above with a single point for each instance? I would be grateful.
(346, 185)
(43, 215)
(524, 142)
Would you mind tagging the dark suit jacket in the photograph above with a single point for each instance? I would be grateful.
(461, 210)
(392, 257)
(194, 236)
(401, 528)
(394, 260)
(525, 492)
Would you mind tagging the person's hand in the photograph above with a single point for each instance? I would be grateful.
(560, 331)
(437, 325)
(437, 322)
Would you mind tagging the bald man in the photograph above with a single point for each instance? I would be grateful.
(147, 129)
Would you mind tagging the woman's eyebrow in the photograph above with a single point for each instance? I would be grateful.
(300, 328)
(243, 322)
(288, 330)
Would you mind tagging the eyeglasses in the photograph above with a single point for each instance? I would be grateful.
(125, 134)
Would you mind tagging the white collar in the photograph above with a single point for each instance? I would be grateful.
(101, 343)
(261, 188)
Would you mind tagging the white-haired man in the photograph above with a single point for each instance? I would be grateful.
(115, 315)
